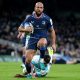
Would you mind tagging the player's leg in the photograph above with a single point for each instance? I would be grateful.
(23, 50)
(29, 55)
(25, 44)
(30, 52)
(22, 37)
(42, 46)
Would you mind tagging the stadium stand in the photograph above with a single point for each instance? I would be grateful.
(67, 29)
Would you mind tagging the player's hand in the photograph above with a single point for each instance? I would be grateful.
(30, 29)
(54, 47)
(20, 35)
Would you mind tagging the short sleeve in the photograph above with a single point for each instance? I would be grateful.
(50, 23)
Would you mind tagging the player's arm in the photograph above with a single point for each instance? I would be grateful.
(22, 29)
(52, 34)
(42, 73)
(53, 38)
(20, 34)
(39, 74)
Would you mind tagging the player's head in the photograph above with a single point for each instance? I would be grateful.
(47, 58)
(39, 7)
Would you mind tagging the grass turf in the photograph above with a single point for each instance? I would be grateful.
(57, 72)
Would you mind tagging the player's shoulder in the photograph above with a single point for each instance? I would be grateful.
(46, 16)
(28, 16)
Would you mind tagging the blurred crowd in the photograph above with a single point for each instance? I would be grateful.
(9, 23)
(68, 35)
(5, 50)
(67, 30)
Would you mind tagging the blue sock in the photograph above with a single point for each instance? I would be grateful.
(42, 54)
(23, 59)
(28, 67)
(42, 51)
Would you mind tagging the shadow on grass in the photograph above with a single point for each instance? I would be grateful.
(48, 78)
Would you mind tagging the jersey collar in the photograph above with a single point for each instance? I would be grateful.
(35, 16)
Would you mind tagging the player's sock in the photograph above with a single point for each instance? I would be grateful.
(28, 67)
(23, 59)
(42, 53)
(23, 63)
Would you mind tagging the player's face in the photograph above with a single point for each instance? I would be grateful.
(39, 8)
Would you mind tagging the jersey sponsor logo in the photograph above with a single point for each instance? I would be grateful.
(43, 22)
(38, 27)
(32, 22)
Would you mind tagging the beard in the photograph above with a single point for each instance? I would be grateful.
(38, 14)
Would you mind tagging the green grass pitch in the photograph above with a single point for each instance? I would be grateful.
(57, 72)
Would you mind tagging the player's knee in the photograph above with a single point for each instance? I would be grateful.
(42, 42)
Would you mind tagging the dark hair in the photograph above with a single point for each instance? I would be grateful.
(47, 58)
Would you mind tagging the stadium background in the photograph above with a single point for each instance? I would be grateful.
(66, 18)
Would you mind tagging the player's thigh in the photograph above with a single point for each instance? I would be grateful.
(29, 54)
(42, 42)
(32, 44)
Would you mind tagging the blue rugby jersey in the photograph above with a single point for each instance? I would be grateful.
(41, 25)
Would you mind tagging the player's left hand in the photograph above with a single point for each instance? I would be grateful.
(54, 47)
